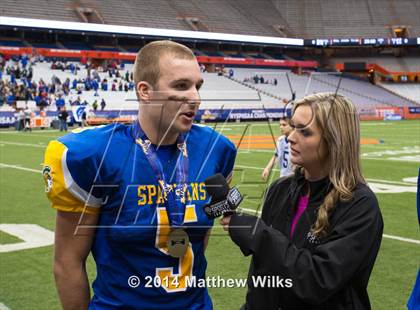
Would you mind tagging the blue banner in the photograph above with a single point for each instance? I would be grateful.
(414, 110)
(206, 115)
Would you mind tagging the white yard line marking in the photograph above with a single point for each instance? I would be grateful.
(405, 150)
(411, 180)
(28, 134)
(23, 144)
(3, 306)
(392, 182)
(369, 180)
(19, 168)
(256, 151)
(252, 167)
(401, 239)
(399, 159)
(32, 236)
(404, 159)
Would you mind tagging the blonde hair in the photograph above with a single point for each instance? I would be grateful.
(337, 118)
(147, 64)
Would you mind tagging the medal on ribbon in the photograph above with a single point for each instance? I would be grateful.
(174, 198)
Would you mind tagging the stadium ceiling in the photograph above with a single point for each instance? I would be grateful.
(141, 31)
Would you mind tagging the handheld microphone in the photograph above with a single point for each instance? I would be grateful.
(224, 200)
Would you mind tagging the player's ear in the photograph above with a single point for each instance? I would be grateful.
(144, 90)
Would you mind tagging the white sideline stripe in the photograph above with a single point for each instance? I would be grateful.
(401, 239)
(369, 180)
(391, 182)
(256, 151)
(32, 133)
(403, 160)
(3, 306)
(19, 168)
(384, 235)
(23, 144)
(52, 137)
(411, 180)
(252, 167)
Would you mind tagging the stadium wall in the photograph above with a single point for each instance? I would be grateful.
(84, 54)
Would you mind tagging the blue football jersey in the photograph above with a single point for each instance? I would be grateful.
(103, 170)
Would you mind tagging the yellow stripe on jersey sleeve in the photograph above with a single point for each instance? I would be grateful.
(55, 185)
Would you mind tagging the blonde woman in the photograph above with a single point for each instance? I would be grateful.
(320, 231)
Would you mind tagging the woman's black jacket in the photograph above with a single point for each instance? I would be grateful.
(328, 273)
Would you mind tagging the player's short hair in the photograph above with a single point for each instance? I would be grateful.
(147, 64)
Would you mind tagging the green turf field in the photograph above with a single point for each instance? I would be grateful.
(26, 276)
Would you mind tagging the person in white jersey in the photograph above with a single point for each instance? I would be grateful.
(282, 153)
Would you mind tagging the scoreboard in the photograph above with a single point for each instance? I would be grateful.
(362, 42)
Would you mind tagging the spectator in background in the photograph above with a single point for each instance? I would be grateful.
(62, 117)
(104, 85)
(43, 102)
(77, 101)
(131, 85)
(11, 99)
(27, 113)
(66, 86)
(88, 84)
(84, 118)
(231, 73)
(21, 120)
(95, 105)
(60, 102)
(103, 104)
(95, 87)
